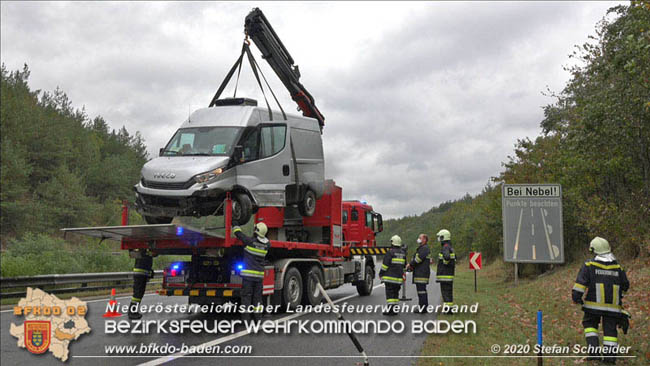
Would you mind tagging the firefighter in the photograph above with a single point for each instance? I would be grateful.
(141, 274)
(391, 273)
(421, 271)
(604, 280)
(255, 250)
(446, 267)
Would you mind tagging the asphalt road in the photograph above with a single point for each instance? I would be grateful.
(267, 349)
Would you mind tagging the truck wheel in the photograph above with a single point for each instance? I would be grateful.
(311, 294)
(292, 289)
(307, 205)
(242, 209)
(153, 220)
(364, 288)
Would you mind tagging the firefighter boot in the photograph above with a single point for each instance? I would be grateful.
(134, 314)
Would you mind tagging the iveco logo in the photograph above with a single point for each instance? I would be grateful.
(164, 175)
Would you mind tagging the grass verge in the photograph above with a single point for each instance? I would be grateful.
(507, 315)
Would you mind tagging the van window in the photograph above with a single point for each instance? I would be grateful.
(355, 214)
(345, 217)
(250, 144)
(202, 141)
(369, 222)
(272, 140)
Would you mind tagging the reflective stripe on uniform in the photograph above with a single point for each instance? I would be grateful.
(448, 303)
(384, 267)
(610, 341)
(603, 266)
(602, 306)
(236, 230)
(578, 287)
(252, 273)
(392, 279)
(600, 293)
(591, 332)
(255, 251)
(452, 255)
(398, 260)
(390, 301)
(135, 299)
(421, 279)
(140, 272)
(615, 291)
(444, 278)
(422, 292)
(417, 258)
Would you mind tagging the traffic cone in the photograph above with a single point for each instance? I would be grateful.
(112, 303)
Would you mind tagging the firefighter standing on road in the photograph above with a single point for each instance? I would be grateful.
(421, 271)
(392, 270)
(446, 267)
(604, 280)
(255, 250)
(141, 274)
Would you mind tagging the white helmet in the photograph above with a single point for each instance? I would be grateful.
(443, 235)
(261, 229)
(599, 246)
(396, 241)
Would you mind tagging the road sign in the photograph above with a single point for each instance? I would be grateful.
(532, 223)
(474, 260)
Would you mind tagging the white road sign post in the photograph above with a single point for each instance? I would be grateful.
(532, 223)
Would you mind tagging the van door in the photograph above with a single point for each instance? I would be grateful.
(266, 170)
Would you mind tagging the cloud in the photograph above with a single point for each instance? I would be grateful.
(423, 101)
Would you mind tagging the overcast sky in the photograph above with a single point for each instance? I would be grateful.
(422, 101)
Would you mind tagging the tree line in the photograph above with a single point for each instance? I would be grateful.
(594, 141)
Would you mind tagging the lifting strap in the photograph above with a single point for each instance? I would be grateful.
(254, 67)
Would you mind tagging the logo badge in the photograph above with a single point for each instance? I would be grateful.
(164, 175)
(37, 335)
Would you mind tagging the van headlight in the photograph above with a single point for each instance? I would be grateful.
(207, 176)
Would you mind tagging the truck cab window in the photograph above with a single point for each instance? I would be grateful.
(355, 214)
(369, 222)
(345, 217)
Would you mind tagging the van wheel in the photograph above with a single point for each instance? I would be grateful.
(307, 205)
(312, 295)
(242, 209)
(153, 220)
(292, 289)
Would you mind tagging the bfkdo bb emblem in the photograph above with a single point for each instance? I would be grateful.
(37, 335)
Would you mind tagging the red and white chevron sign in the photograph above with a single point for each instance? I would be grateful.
(474, 260)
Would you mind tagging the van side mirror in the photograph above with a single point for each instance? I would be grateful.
(161, 151)
(238, 154)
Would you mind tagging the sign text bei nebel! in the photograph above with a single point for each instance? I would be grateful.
(532, 223)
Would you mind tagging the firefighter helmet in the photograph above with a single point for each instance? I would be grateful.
(396, 241)
(261, 229)
(599, 246)
(443, 235)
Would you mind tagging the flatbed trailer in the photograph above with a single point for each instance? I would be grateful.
(300, 246)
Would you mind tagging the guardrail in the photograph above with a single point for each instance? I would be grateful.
(51, 283)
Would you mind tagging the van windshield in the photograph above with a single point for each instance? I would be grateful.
(202, 141)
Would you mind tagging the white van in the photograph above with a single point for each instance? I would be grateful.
(234, 147)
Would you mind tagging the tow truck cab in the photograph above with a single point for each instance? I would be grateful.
(360, 224)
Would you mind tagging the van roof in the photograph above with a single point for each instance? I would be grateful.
(244, 115)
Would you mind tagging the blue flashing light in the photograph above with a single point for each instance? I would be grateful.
(176, 266)
(179, 231)
(239, 266)
(364, 202)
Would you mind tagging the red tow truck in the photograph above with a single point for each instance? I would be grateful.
(337, 244)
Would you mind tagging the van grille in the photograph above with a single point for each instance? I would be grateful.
(168, 185)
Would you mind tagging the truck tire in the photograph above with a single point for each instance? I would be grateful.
(364, 288)
(153, 220)
(311, 294)
(242, 209)
(307, 205)
(292, 289)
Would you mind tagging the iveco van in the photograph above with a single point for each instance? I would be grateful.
(234, 147)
